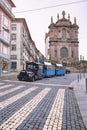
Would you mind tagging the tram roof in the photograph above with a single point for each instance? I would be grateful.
(60, 65)
(47, 63)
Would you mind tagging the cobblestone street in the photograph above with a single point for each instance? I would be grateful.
(30, 106)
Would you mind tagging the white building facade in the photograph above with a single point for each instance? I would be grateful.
(23, 48)
(20, 44)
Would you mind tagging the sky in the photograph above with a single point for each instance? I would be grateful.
(39, 19)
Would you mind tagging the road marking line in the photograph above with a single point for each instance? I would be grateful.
(6, 86)
(54, 118)
(1, 83)
(15, 98)
(15, 120)
(11, 90)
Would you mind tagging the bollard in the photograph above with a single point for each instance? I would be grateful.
(86, 85)
(84, 74)
(78, 77)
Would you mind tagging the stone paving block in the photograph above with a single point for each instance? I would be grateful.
(53, 109)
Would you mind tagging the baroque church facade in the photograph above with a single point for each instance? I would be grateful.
(61, 41)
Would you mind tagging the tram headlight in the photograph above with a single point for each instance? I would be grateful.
(30, 74)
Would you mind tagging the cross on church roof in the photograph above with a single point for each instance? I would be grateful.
(63, 13)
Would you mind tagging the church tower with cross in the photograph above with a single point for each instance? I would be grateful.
(61, 41)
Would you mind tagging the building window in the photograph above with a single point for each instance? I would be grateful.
(48, 51)
(13, 65)
(64, 33)
(13, 47)
(55, 53)
(13, 57)
(72, 54)
(72, 34)
(6, 34)
(13, 37)
(6, 21)
(13, 27)
(64, 52)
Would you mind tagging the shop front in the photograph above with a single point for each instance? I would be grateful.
(4, 64)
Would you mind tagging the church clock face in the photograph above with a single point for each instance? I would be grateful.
(63, 52)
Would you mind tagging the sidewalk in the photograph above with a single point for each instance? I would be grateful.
(81, 96)
(9, 75)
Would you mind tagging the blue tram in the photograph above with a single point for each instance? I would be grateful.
(48, 69)
(60, 70)
(35, 71)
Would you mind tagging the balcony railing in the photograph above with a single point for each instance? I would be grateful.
(5, 56)
(5, 41)
(53, 40)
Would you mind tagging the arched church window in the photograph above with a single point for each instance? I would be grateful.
(64, 52)
(64, 33)
(51, 33)
(76, 34)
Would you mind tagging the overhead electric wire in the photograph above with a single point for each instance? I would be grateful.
(47, 7)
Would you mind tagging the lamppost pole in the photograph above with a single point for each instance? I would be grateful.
(83, 67)
(80, 65)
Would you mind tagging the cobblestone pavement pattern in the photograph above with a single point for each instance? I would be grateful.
(38, 107)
